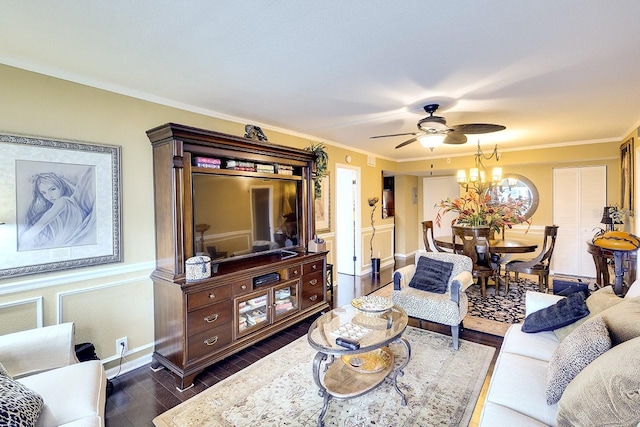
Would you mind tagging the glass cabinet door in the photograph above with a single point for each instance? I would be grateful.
(253, 312)
(285, 299)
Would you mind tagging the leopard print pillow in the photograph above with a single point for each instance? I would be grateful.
(19, 405)
(581, 347)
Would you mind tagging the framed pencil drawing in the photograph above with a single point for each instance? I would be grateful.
(626, 174)
(61, 205)
(323, 207)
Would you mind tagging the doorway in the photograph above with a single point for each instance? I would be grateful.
(261, 208)
(434, 190)
(348, 234)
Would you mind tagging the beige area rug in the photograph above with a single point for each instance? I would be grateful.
(471, 322)
(442, 386)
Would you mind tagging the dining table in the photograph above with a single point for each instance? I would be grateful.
(506, 245)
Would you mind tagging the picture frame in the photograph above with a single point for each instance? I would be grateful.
(61, 205)
(323, 207)
(627, 175)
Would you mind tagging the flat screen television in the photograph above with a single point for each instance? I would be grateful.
(242, 216)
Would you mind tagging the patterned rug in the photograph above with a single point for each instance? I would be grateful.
(501, 306)
(495, 313)
(442, 386)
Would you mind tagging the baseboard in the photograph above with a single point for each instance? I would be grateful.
(128, 366)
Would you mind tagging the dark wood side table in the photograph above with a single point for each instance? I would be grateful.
(601, 258)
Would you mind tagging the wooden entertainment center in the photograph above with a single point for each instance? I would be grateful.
(250, 296)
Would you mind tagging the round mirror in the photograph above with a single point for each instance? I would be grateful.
(517, 187)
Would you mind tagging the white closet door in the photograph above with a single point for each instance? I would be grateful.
(579, 195)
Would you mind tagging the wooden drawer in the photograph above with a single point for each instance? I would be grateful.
(294, 272)
(311, 296)
(313, 267)
(242, 287)
(312, 281)
(208, 342)
(210, 296)
(209, 317)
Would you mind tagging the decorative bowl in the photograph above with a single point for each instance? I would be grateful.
(372, 304)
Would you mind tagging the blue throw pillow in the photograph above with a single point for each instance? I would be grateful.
(562, 313)
(431, 275)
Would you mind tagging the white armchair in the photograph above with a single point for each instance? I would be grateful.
(448, 308)
(44, 360)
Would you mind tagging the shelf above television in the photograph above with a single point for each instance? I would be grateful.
(245, 173)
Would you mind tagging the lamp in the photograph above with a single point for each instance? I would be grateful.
(431, 141)
(610, 217)
(477, 174)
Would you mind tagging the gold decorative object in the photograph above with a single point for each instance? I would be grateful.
(370, 362)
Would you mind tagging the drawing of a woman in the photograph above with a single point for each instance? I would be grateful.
(60, 213)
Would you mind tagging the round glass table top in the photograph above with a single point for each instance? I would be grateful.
(369, 330)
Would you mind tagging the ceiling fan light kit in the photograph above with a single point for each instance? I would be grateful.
(431, 141)
(437, 126)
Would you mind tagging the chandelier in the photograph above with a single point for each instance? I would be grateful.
(477, 177)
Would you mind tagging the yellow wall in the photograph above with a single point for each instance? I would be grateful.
(115, 300)
(537, 165)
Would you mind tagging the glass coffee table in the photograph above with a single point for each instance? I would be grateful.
(365, 360)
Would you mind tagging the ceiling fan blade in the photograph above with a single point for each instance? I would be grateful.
(395, 134)
(407, 142)
(455, 138)
(477, 128)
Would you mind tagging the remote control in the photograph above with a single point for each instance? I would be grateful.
(348, 343)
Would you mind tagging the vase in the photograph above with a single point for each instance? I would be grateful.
(375, 266)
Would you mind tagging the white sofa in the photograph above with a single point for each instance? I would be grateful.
(516, 393)
(44, 360)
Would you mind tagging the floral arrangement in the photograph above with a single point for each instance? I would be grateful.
(617, 214)
(477, 209)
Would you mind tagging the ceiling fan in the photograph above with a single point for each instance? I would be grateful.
(436, 125)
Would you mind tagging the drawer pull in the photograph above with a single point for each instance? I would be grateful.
(211, 341)
(313, 297)
(313, 281)
(313, 267)
(295, 272)
(243, 287)
(212, 318)
(212, 295)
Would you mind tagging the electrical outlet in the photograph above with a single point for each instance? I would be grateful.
(122, 346)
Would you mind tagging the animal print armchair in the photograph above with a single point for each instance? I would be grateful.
(444, 302)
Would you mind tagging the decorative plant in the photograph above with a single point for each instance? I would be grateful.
(322, 166)
(372, 202)
(476, 209)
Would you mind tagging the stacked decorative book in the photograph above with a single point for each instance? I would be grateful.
(285, 170)
(240, 165)
(207, 162)
(265, 168)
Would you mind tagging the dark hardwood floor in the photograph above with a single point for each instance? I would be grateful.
(141, 395)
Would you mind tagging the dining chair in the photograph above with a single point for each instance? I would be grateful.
(430, 244)
(538, 265)
(474, 243)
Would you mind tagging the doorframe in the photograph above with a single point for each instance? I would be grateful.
(269, 210)
(351, 214)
